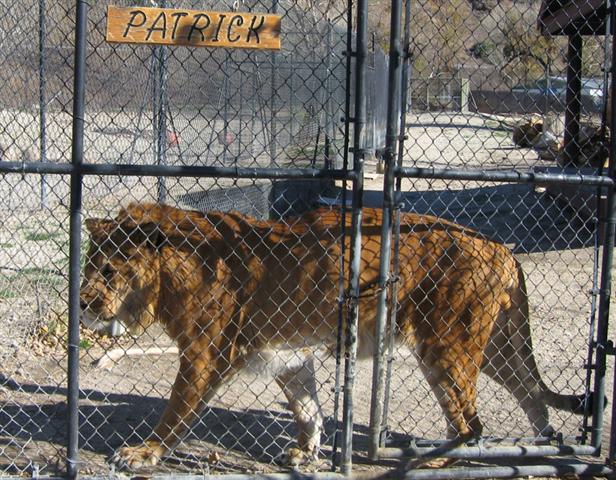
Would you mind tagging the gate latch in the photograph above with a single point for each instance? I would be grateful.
(607, 347)
(384, 438)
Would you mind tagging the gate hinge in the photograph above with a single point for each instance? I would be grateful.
(603, 292)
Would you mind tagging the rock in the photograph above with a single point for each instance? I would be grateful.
(548, 146)
(526, 132)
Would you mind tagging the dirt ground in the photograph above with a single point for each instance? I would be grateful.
(247, 424)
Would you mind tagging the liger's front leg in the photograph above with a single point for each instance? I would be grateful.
(196, 381)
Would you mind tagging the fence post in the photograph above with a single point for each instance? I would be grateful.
(343, 228)
(465, 91)
(573, 103)
(605, 286)
(331, 110)
(72, 400)
(273, 89)
(389, 155)
(42, 26)
(160, 114)
(225, 111)
(404, 100)
(359, 143)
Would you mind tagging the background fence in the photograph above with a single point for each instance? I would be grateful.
(177, 106)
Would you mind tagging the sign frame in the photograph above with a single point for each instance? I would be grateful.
(193, 28)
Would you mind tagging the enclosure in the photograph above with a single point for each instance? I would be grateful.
(492, 116)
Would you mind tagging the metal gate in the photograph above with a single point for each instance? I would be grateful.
(273, 158)
(504, 203)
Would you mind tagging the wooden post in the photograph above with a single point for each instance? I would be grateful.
(573, 101)
(465, 90)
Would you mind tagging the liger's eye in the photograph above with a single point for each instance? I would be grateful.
(107, 271)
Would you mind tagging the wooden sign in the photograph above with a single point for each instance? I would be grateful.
(168, 26)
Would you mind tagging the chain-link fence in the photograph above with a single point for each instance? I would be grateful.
(150, 106)
(493, 100)
(235, 262)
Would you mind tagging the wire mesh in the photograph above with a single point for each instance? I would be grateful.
(33, 286)
(489, 93)
(148, 105)
(557, 259)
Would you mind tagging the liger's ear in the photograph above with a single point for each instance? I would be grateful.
(96, 225)
(147, 233)
(223, 271)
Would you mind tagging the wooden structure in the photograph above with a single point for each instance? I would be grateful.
(574, 18)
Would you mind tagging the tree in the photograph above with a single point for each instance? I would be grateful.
(527, 54)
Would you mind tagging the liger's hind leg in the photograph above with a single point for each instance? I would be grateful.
(455, 389)
(453, 381)
(503, 364)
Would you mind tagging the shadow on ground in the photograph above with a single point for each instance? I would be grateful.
(515, 215)
(115, 419)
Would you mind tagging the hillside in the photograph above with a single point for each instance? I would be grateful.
(495, 43)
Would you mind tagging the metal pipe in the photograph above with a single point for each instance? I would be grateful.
(291, 102)
(307, 173)
(72, 453)
(555, 469)
(160, 112)
(42, 27)
(359, 143)
(606, 75)
(330, 130)
(592, 326)
(226, 94)
(510, 176)
(273, 93)
(405, 85)
(509, 472)
(406, 75)
(292, 475)
(161, 126)
(487, 452)
(174, 171)
(345, 168)
(594, 293)
(605, 287)
(493, 441)
(240, 112)
(155, 100)
(389, 156)
(573, 99)
(340, 328)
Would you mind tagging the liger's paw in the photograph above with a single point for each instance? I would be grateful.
(296, 457)
(132, 458)
(432, 463)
